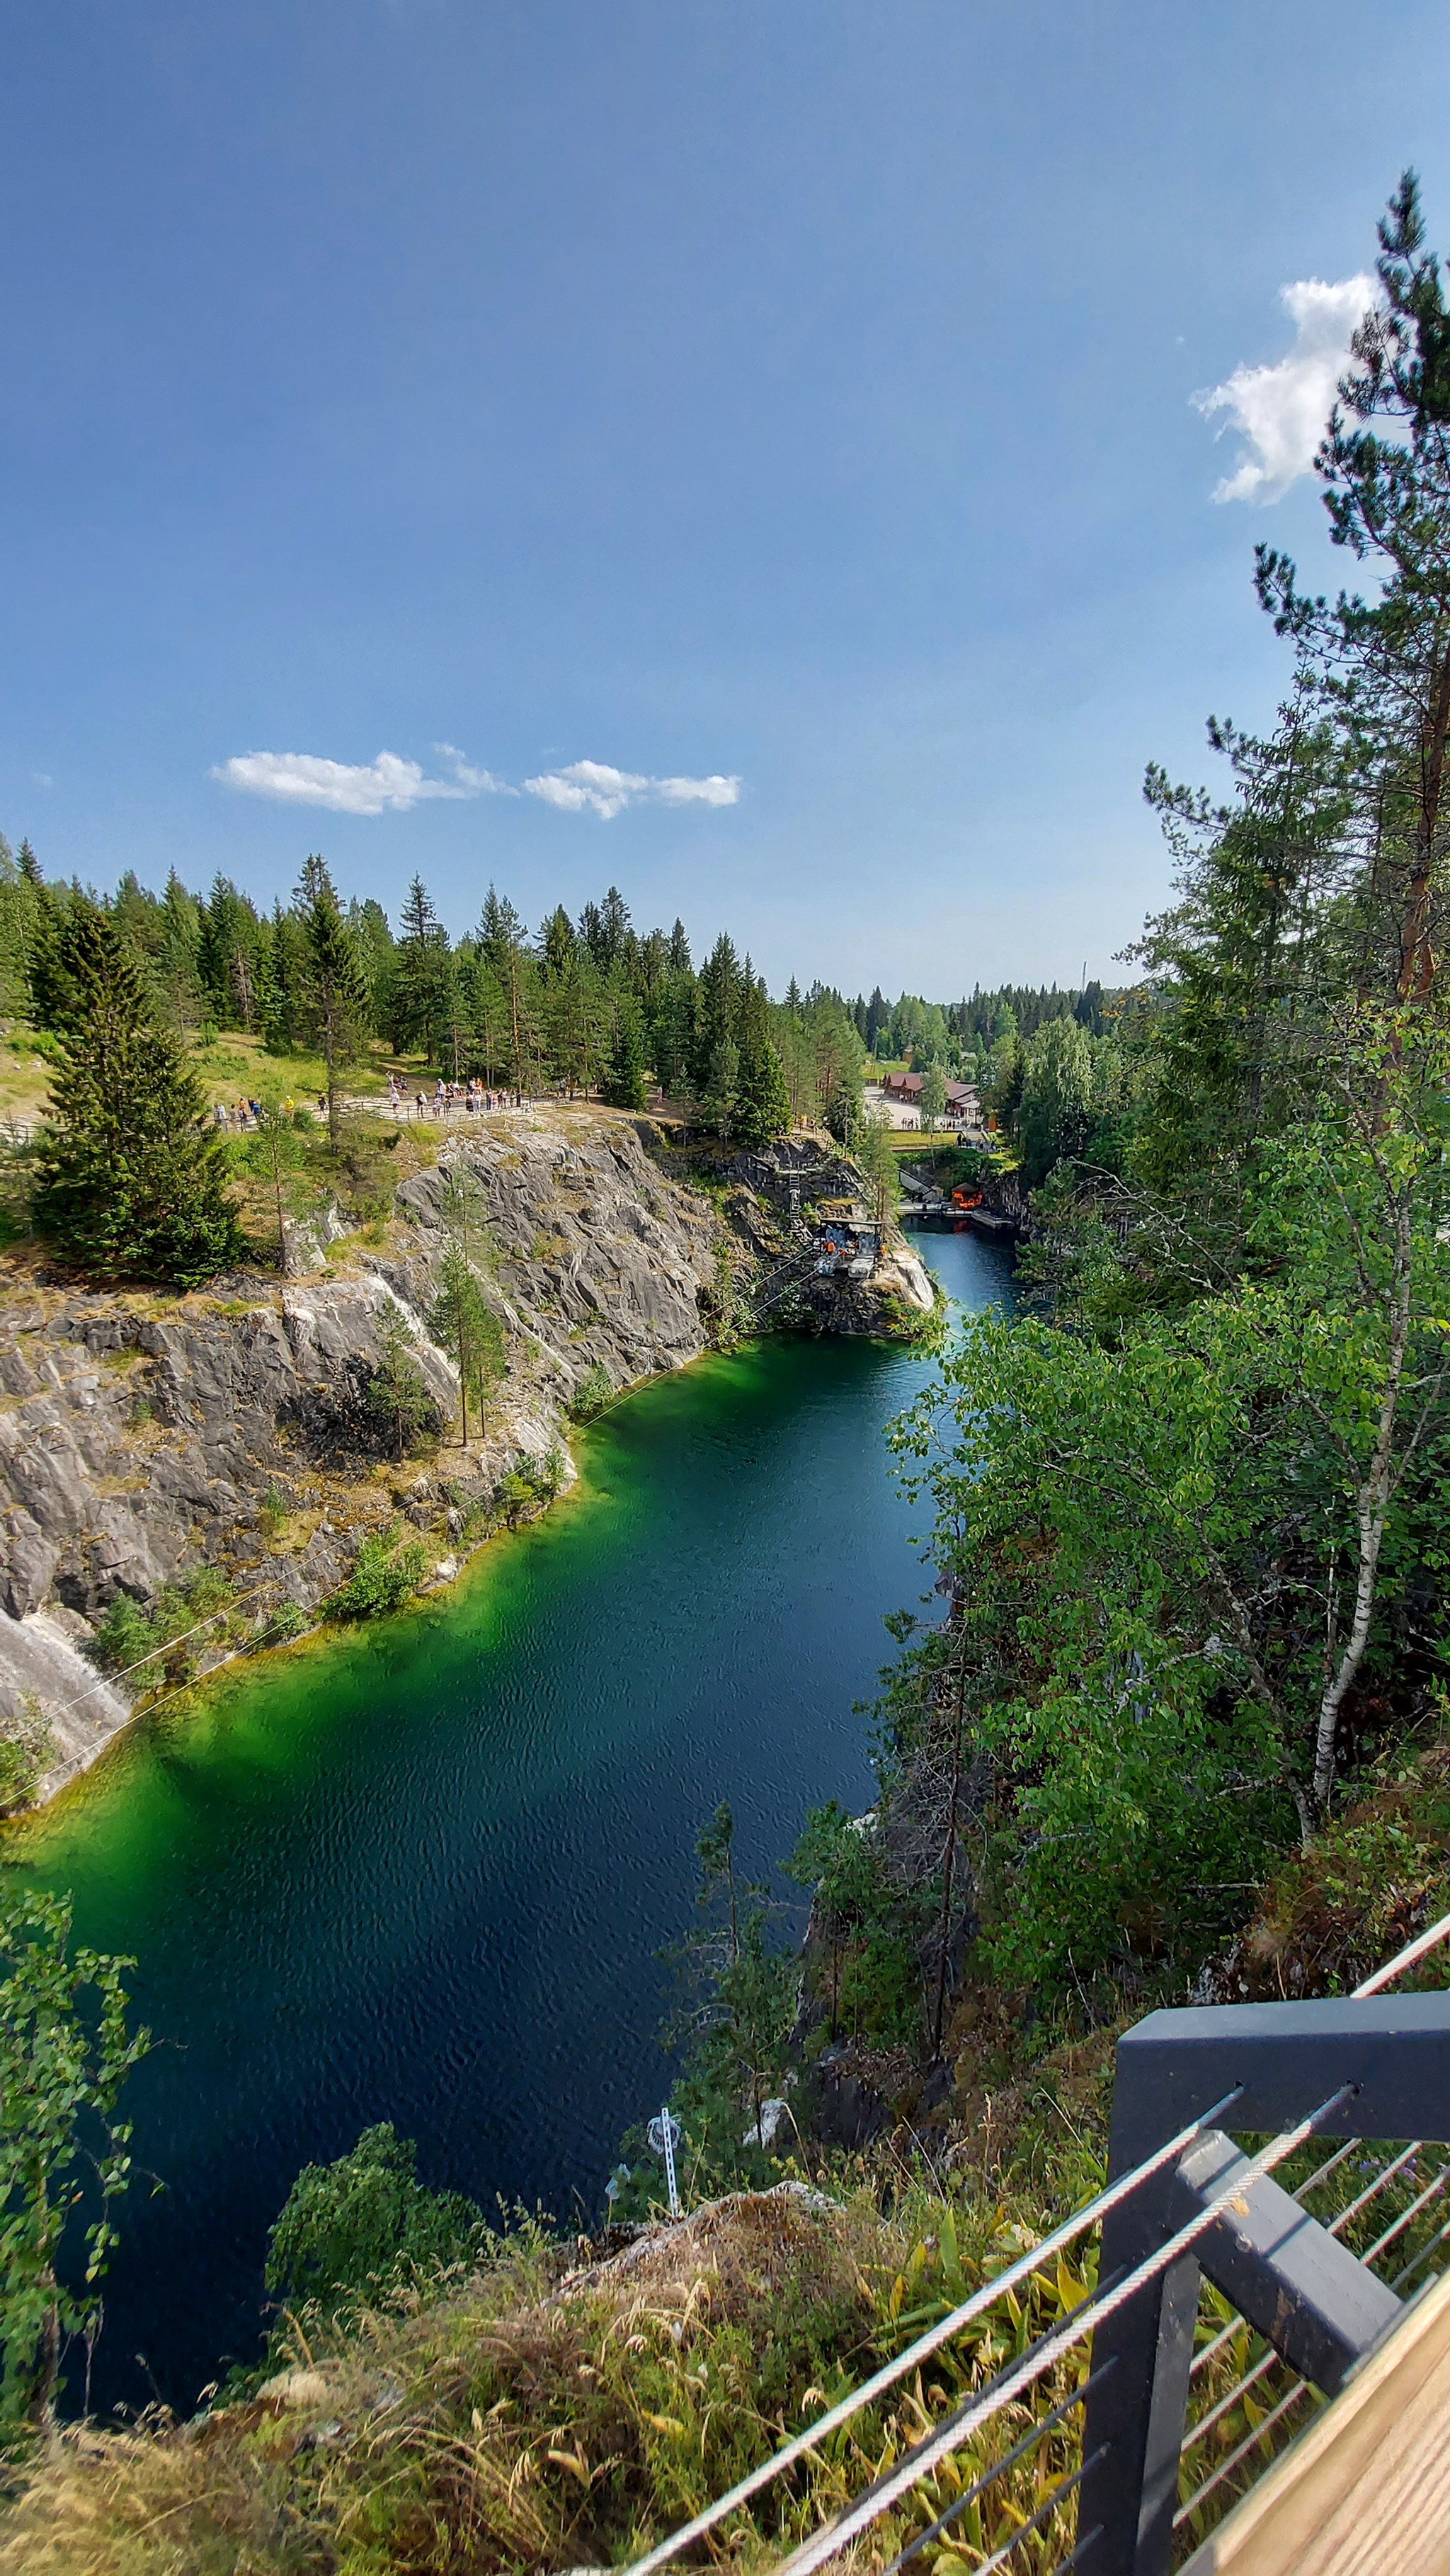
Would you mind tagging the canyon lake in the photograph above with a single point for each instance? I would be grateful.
(421, 1871)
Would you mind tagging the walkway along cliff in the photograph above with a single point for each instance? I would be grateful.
(221, 1447)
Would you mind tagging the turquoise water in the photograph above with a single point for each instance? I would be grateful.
(421, 1873)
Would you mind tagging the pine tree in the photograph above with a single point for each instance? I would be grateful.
(501, 937)
(275, 1152)
(625, 1088)
(614, 928)
(335, 995)
(876, 1155)
(132, 1177)
(680, 960)
(47, 975)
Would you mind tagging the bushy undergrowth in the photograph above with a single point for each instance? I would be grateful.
(126, 1634)
(595, 1389)
(384, 1576)
(1377, 1875)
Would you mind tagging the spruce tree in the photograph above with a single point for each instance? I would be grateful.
(556, 945)
(717, 1097)
(334, 996)
(132, 1175)
(397, 1392)
(422, 983)
(466, 1327)
(625, 1087)
(762, 1102)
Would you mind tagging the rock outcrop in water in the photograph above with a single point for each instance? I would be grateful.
(144, 1437)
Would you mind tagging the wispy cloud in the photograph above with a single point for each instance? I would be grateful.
(591, 786)
(386, 785)
(389, 785)
(1280, 411)
(472, 781)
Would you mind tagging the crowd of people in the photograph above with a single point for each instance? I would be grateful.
(446, 1098)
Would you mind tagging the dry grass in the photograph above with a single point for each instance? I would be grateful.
(529, 2418)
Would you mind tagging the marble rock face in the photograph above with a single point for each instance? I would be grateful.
(141, 1437)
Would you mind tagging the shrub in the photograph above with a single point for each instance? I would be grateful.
(366, 2225)
(25, 1748)
(382, 1579)
(533, 1480)
(594, 1391)
(124, 1635)
(283, 1623)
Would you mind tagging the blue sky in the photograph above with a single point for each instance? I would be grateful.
(784, 404)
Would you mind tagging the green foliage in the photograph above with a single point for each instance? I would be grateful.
(331, 997)
(932, 1098)
(131, 1178)
(276, 1154)
(126, 1634)
(287, 1621)
(595, 1390)
(385, 1575)
(1144, 1536)
(396, 1393)
(26, 1746)
(531, 1482)
(721, 1305)
(465, 1325)
(366, 2228)
(65, 2053)
(880, 1170)
(738, 1999)
(863, 1967)
(625, 1087)
(762, 1107)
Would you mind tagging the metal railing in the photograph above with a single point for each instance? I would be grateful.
(1154, 2401)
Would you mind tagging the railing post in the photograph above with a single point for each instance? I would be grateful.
(1128, 2497)
(1392, 2052)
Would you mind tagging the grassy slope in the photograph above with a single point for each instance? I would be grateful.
(532, 2416)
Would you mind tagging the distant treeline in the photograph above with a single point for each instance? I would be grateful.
(576, 1005)
(944, 1032)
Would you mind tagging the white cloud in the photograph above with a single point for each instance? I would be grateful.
(1280, 411)
(478, 782)
(593, 786)
(386, 785)
(697, 791)
(389, 785)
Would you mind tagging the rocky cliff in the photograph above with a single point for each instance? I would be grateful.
(218, 1453)
(146, 1438)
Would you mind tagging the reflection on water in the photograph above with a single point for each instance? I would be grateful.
(421, 1873)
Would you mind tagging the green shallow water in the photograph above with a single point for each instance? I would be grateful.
(421, 1872)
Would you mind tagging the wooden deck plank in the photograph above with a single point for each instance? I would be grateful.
(1365, 2491)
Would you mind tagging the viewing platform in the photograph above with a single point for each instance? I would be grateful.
(1234, 2375)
